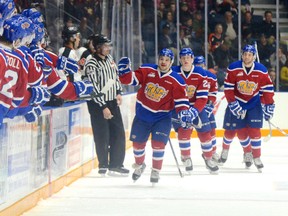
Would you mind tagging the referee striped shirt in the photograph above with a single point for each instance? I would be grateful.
(99, 71)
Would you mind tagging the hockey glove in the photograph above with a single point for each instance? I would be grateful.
(39, 95)
(268, 111)
(47, 70)
(194, 113)
(33, 114)
(185, 119)
(209, 109)
(83, 87)
(38, 54)
(69, 65)
(3, 111)
(237, 110)
(124, 65)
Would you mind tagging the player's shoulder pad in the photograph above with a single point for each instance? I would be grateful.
(260, 67)
(235, 65)
(153, 66)
(210, 74)
(176, 68)
(200, 71)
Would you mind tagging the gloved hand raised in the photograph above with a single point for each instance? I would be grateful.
(84, 87)
(33, 114)
(69, 65)
(124, 65)
(268, 111)
(237, 110)
(38, 54)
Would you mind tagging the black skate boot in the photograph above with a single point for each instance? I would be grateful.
(139, 169)
(223, 156)
(118, 171)
(248, 159)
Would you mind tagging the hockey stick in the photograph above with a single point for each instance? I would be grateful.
(279, 129)
(177, 164)
(267, 138)
(217, 104)
(256, 48)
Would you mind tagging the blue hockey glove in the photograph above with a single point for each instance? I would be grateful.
(83, 87)
(185, 119)
(39, 95)
(33, 114)
(194, 113)
(209, 109)
(69, 65)
(124, 65)
(268, 111)
(38, 54)
(237, 110)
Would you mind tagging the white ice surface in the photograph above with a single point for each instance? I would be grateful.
(235, 191)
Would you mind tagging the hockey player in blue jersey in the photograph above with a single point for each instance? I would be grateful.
(244, 81)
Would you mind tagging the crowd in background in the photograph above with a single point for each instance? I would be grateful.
(222, 30)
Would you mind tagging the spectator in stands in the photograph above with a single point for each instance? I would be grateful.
(198, 26)
(247, 28)
(216, 38)
(170, 20)
(267, 27)
(272, 74)
(282, 58)
(185, 37)
(264, 51)
(166, 40)
(226, 5)
(185, 13)
(70, 11)
(85, 30)
(161, 11)
(284, 77)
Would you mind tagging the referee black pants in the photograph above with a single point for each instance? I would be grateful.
(109, 135)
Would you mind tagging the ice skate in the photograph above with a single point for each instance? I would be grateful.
(215, 157)
(248, 159)
(223, 156)
(154, 177)
(187, 163)
(211, 165)
(139, 169)
(118, 171)
(102, 171)
(258, 163)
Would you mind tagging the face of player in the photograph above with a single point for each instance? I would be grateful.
(77, 41)
(104, 50)
(164, 63)
(248, 59)
(186, 62)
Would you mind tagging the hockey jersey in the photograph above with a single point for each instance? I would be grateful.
(196, 85)
(159, 93)
(213, 87)
(244, 86)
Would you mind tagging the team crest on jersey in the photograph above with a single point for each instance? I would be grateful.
(190, 89)
(155, 92)
(247, 87)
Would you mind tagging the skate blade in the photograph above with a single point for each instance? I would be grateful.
(117, 174)
(260, 170)
(213, 172)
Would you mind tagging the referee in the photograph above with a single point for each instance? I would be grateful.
(105, 115)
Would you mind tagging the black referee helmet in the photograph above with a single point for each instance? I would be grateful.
(69, 32)
(99, 39)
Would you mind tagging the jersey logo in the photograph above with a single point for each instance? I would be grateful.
(246, 87)
(155, 92)
(190, 89)
(151, 75)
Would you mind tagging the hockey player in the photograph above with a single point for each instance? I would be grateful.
(244, 81)
(197, 89)
(160, 91)
(209, 107)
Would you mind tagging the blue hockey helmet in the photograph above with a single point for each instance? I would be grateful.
(168, 53)
(39, 31)
(249, 48)
(34, 15)
(15, 29)
(7, 9)
(186, 51)
(199, 60)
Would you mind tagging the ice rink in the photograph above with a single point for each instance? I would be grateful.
(235, 191)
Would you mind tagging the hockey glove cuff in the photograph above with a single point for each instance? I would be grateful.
(268, 111)
(124, 65)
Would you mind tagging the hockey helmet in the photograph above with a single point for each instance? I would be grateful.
(199, 60)
(168, 53)
(249, 48)
(39, 31)
(69, 32)
(99, 39)
(34, 15)
(15, 29)
(186, 51)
